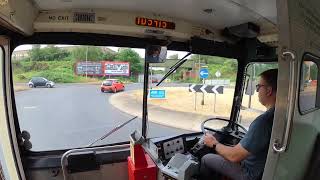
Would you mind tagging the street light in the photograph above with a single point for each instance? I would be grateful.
(87, 62)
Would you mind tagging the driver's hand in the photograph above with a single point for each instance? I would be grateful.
(210, 140)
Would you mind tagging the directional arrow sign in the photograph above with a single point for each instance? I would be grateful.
(206, 88)
(217, 89)
(204, 73)
(202, 89)
(191, 87)
(195, 88)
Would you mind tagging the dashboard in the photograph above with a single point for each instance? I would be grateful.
(172, 146)
(175, 157)
(166, 147)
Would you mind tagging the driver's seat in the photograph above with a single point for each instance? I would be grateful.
(227, 178)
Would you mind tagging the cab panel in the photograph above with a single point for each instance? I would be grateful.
(295, 132)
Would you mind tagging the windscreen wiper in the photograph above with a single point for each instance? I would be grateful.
(174, 67)
(112, 131)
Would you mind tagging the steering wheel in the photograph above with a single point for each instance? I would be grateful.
(203, 128)
(200, 144)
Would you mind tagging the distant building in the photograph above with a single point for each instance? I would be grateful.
(18, 55)
(108, 50)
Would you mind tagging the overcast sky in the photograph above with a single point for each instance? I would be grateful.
(139, 51)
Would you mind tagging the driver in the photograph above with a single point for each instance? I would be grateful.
(246, 160)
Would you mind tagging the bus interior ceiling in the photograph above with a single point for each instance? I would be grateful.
(208, 28)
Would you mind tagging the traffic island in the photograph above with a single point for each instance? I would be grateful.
(131, 103)
(184, 109)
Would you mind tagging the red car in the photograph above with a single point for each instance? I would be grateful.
(112, 85)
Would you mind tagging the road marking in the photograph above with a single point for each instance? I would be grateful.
(30, 107)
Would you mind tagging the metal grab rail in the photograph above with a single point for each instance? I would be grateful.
(106, 148)
(277, 146)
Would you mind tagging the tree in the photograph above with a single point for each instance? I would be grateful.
(35, 53)
(129, 55)
(93, 53)
(48, 53)
(109, 56)
(51, 53)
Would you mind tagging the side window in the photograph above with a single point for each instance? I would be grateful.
(308, 84)
(251, 107)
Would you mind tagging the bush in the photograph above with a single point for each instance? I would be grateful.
(21, 77)
(40, 66)
(57, 71)
(58, 75)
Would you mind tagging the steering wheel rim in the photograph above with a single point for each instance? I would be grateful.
(200, 144)
(219, 119)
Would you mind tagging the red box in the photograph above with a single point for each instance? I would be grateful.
(148, 172)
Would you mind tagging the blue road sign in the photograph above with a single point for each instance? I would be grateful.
(157, 94)
(204, 73)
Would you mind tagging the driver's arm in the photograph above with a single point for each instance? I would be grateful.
(234, 154)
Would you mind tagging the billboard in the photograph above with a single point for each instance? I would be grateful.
(113, 68)
(89, 68)
(103, 68)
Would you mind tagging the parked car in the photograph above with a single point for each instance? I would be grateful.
(40, 81)
(154, 80)
(113, 85)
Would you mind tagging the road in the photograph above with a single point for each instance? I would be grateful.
(74, 115)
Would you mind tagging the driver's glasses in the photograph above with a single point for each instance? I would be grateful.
(258, 86)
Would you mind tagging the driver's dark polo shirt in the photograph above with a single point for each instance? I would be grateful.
(256, 141)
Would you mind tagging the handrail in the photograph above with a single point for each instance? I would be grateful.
(277, 146)
(66, 154)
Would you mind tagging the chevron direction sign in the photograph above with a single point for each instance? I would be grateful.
(206, 88)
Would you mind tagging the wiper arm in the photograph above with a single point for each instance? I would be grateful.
(112, 131)
(174, 67)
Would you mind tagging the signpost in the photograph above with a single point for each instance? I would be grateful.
(204, 74)
(218, 74)
(87, 62)
(206, 89)
(157, 94)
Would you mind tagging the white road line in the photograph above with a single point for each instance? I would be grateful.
(30, 107)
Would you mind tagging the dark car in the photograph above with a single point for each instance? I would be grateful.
(40, 81)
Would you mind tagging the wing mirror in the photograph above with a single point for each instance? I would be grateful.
(156, 54)
(251, 87)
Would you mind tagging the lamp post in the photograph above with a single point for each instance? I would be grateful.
(87, 62)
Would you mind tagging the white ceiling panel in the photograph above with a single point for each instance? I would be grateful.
(224, 12)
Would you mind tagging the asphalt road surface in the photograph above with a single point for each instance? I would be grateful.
(74, 115)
